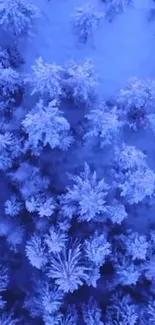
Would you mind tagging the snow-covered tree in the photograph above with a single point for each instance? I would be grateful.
(67, 269)
(92, 313)
(4, 58)
(16, 16)
(46, 126)
(127, 272)
(70, 317)
(122, 310)
(86, 198)
(35, 251)
(97, 248)
(10, 148)
(10, 84)
(2, 303)
(53, 319)
(45, 79)
(4, 278)
(15, 237)
(136, 101)
(13, 206)
(115, 7)
(137, 246)
(129, 158)
(14, 56)
(5, 226)
(138, 185)
(104, 123)
(55, 240)
(149, 264)
(150, 312)
(10, 57)
(29, 180)
(43, 205)
(134, 178)
(80, 83)
(116, 212)
(45, 300)
(7, 318)
(93, 275)
(151, 121)
(85, 22)
(149, 269)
